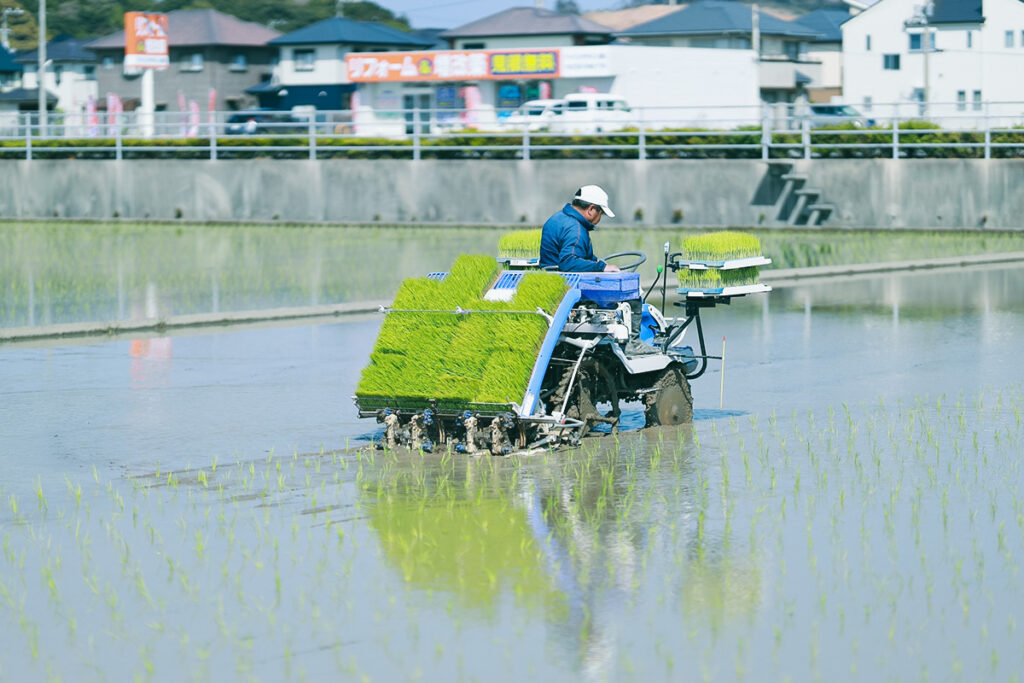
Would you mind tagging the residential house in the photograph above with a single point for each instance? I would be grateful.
(943, 59)
(525, 27)
(785, 69)
(14, 99)
(71, 75)
(210, 53)
(521, 28)
(10, 70)
(312, 72)
(827, 48)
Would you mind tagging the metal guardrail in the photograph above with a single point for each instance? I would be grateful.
(762, 132)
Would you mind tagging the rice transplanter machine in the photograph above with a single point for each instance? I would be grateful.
(598, 341)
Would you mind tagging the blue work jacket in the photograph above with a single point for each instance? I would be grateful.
(565, 242)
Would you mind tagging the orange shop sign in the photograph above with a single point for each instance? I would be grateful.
(451, 65)
(145, 41)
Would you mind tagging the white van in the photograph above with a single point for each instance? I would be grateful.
(593, 113)
(534, 114)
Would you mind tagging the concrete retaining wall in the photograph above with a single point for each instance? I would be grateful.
(875, 193)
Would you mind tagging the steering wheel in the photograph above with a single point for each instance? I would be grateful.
(629, 267)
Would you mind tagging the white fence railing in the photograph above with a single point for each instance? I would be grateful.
(898, 131)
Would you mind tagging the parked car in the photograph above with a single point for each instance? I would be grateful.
(593, 113)
(534, 114)
(822, 115)
(264, 122)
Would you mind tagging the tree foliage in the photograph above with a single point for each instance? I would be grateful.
(24, 30)
(95, 18)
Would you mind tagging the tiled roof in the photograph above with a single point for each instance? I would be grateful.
(26, 96)
(338, 30)
(60, 49)
(188, 27)
(827, 22)
(621, 19)
(957, 12)
(710, 17)
(526, 21)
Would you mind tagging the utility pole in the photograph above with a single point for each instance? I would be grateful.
(41, 68)
(5, 33)
(755, 31)
(922, 20)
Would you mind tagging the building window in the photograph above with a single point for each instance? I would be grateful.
(108, 63)
(90, 72)
(961, 100)
(238, 63)
(58, 73)
(474, 46)
(1009, 39)
(976, 100)
(915, 41)
(868, 102)
(867, 43)
(891, 62)
(304, 60)
(193, 62)
(970, 39)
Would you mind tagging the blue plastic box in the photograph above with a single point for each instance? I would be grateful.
(606, 288)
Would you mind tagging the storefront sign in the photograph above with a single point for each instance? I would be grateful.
(586, 62)
(145, 41)
(469, 65)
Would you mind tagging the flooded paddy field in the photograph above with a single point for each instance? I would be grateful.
(204, 506)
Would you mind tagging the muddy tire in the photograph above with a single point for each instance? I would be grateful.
(672, 404)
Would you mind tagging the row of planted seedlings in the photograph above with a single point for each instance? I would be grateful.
(782, 544)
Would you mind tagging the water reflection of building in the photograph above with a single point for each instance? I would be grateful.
(568, 536)
(909, 294)
(144, 351)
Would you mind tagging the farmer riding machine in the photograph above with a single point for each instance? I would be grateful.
(499, 355)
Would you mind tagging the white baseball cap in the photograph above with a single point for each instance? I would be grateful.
(592, 194)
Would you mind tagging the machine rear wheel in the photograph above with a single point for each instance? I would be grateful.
(672, 403)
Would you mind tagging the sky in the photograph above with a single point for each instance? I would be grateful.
(452, 13)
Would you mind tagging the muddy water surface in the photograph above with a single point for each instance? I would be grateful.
(202, 506)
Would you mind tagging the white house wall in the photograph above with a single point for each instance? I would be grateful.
(672, 82)
(72, 93)
(988, 66)
(1001, 67)
(328, 66)
(831, 57)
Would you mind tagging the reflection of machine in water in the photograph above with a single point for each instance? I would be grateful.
(570, 538)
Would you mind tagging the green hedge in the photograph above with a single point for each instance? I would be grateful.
(700, 143)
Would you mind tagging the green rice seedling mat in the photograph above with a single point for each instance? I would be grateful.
(719, 247)
(521, 244)
(426, 351)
